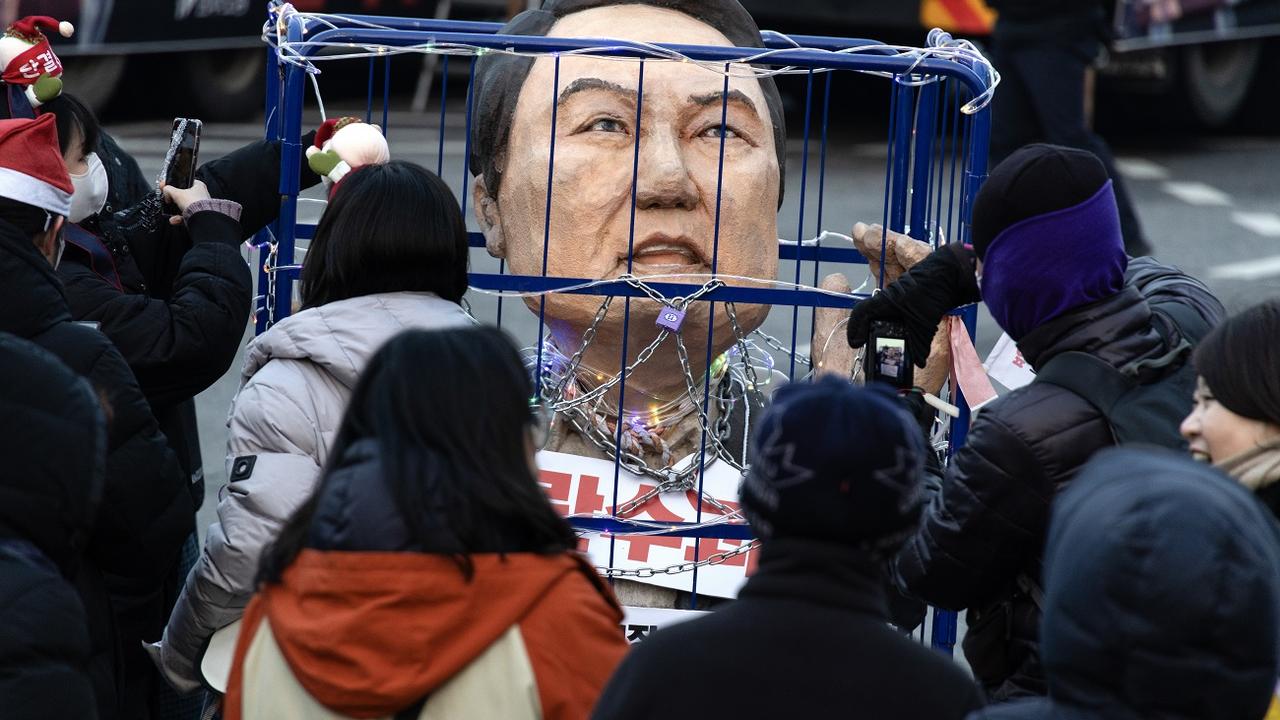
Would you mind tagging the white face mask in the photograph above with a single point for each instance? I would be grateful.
(90, 189)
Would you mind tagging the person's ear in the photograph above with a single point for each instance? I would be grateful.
(47, 242)
(489, 218)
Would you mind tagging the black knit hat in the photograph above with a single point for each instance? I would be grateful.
(500, 77)
(1034, 180)
(836, 462)
(1240, 362)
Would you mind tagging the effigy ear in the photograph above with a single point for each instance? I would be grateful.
(489, 217)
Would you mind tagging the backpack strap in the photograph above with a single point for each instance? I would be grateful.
(1089, 377)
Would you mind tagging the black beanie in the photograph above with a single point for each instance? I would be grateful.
(1034, 180)
(1240, 362)
(838, 463)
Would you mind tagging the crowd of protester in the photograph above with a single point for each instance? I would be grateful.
(383, 547)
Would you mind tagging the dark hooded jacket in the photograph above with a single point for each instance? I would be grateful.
(808, 635)
(983, 532)
(176, 301)
(1162, 596)
(146, 508)
(361, 625)
(49, 495)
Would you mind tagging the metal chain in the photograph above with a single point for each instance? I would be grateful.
(776, 344)
(587, 338)
(270, 270)
(750, 371)
(704, 423)
(648, 572)
(589, 424)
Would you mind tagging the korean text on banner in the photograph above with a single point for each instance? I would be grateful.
(584, 486)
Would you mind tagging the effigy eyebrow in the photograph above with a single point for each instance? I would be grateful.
(592, 83)
(718, 97)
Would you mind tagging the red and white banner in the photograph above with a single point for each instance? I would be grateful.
(585, 486)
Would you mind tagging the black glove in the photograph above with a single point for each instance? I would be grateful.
(920, 299)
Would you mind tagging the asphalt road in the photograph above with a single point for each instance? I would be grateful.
(1210, 205)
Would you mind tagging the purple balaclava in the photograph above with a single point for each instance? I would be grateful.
(1046, 229)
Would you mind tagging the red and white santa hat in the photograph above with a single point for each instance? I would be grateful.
(31, 168)
(25, 53)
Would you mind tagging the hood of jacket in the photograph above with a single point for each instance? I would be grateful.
(342, 336)
(31, 295)
(370, 633)
(1162, 592)
(54, 443)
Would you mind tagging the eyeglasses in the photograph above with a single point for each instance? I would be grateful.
(540, 417)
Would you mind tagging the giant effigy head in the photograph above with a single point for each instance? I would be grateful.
(680, 192)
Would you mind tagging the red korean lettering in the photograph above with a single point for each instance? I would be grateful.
(588, 498)
(556, 485)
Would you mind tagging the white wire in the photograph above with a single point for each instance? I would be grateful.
(673, 276)
(941, 46)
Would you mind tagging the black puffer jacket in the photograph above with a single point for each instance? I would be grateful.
(984, 530)
(1162, 596)
(146, 509)
(176, 301)
(49, 495)
(808, 637)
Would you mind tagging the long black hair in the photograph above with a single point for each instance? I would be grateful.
(1240, 362)
(450, 413)
(68, 113)
(388, 228)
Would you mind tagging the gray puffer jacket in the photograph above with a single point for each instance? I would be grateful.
(294, 389)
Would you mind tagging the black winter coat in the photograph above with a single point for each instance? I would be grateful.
(49, 495)
(147, 511)
(984, 530)
(808, 637)
(1162, 599)
(176, 301)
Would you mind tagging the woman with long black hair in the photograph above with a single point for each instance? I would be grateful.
(429, 576)
(389, 254)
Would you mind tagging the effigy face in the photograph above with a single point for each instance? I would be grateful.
(677, 180)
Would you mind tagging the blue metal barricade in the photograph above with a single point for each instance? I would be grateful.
(935, 160)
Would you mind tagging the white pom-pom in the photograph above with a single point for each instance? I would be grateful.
(360, 144)
(66, 29)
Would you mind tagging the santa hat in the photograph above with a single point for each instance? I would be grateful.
(26, 59)
(31, 168)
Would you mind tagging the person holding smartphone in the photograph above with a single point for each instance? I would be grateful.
(1048, 260)
(175, 297)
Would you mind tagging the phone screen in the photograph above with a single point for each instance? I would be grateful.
(184, 150)
(886, 359)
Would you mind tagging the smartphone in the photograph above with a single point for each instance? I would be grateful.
(184, 151)
(885, 358)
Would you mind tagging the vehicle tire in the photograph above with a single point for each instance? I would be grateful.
(1216, 78)
(226, 85)
(93, 79)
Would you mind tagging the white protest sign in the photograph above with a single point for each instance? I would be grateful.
(1006, 365)
(638, 623)
(584, 486)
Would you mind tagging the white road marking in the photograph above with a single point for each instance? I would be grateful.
(1248, 270)
(1140, 169)
(1197, 193)
(1263, 223)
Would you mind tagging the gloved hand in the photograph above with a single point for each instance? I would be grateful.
(920, 299)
